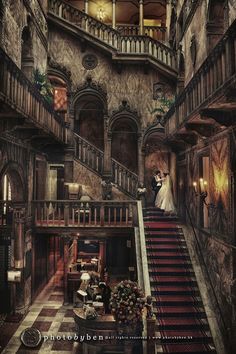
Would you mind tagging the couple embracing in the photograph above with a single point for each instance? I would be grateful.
(162, 187)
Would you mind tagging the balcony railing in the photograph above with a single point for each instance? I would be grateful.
(123, 44)
(156, 32)
(23, 97)
(75, 214)
(216, 73)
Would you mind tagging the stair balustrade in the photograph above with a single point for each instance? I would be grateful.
(123, 44)
(92, 157)
(23, 97)
(125, 179)
(216, 72)
(67, 213)
(89, 154)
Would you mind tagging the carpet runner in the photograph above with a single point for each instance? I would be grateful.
(181, 320)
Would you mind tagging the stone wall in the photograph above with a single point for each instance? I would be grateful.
(198, 28)
(90, 183)
(15, 18)
(217, 240)
(132, 84)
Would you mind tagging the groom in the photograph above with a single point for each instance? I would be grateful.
(156, 183)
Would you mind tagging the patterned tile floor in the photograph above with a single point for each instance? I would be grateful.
(52, 318)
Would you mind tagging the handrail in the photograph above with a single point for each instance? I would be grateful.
(113, 38)
(206, 268)
(142, 251)
(24, 96)
(215, 72)
(84, 213)
(93, 157)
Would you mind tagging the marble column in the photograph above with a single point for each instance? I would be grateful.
(141, 161)
(114, 14)
(86, 4)
(107, 150)
(141, 17)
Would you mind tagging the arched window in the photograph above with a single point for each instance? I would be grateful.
(27, 60)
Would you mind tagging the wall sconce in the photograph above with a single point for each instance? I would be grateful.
(200, 190)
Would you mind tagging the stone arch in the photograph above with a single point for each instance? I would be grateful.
(157, 156)
(90, 105)
(124, 129)
(14, 174)
(27, 59)
(217, 19)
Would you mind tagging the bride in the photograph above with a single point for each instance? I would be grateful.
(164, 199)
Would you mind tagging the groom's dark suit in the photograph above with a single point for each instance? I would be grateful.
(156, 185)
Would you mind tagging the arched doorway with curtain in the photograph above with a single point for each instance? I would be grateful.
(89, 119)
(124, 146)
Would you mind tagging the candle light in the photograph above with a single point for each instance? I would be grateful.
(201, 184)
(195, 186)
(205, 185)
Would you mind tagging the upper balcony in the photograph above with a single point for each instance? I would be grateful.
(22, 107)
(125, 43)
(210, 96)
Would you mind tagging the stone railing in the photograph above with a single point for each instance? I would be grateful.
(23, 97)
(156, 32)
(125, 179)
(92, 157)
(216, 72)
(123, 44)
(89, 154)
(67, 213)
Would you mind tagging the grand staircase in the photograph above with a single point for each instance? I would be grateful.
(93, 158)
(121, 47)
(181, 319)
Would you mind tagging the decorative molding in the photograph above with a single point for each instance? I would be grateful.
(61, 71)
(89, 61)
(93, 87)
(125, 107)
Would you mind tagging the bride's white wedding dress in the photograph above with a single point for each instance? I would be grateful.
(164, 199)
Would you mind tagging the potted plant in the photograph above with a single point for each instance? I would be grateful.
(44, 86)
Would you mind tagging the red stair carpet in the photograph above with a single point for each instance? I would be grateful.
(181, 319)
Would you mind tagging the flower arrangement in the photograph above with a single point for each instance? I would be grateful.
(127, 302)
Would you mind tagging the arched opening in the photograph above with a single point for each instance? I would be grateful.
(124, 143)
(158, 156)
(217, 14)
(89, 122)
(27, 60)
(11, 190)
